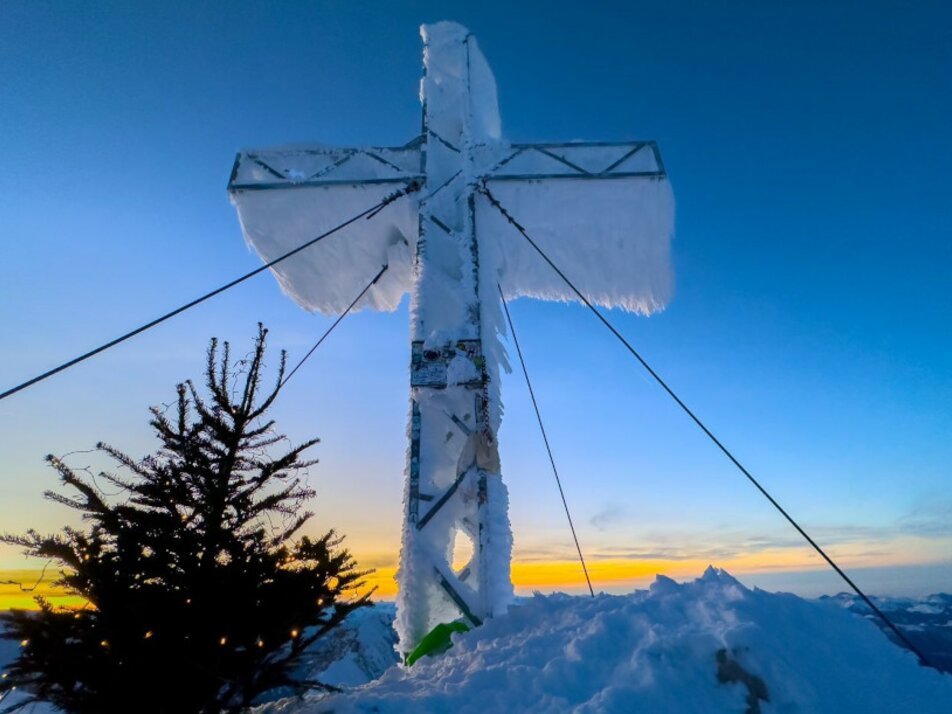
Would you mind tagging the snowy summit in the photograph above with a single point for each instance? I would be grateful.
(708, 646)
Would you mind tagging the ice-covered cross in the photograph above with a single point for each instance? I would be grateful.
(602, 211)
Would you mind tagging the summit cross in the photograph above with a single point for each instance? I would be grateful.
(602, 210)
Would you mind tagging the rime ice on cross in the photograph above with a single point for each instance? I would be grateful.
(602, 211)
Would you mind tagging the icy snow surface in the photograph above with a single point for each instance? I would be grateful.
(656, 651)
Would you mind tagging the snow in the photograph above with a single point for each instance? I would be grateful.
(611, 238)
(926, 609)
(653, 650)
(657, 651)
(928, 618)
(9, 650)
(329, 275)
(459, 82)
(359, 651)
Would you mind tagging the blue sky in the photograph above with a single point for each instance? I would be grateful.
(808, 148)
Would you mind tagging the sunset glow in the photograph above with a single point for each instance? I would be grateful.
(20, 588)
(562, 573)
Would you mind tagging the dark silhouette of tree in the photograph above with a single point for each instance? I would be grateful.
(200, 593)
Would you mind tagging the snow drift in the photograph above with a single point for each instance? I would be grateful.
(711, 645)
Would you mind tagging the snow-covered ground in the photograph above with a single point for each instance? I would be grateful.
(357, 653)
(711, 645)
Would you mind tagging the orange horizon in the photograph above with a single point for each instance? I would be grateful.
(528, 576)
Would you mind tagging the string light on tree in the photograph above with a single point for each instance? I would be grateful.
(137, 561)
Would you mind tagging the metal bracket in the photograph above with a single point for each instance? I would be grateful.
(414, 500)
(447, 495)
(456, 597)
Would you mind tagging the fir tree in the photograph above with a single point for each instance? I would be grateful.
(201, 594)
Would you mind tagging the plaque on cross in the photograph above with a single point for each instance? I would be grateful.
(601, 210)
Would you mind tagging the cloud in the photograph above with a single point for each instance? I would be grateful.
(928, 518)
(652, 551)
(609, 516)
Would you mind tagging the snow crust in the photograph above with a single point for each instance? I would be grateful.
(326, 277)
(460, 83)
(657, 651)
(611, 238)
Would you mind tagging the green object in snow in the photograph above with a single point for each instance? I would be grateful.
(437, 641)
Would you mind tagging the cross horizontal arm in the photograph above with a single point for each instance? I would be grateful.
(604, 207)
(323, 166)
(578, 160)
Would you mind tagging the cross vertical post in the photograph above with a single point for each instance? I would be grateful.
(453, 456)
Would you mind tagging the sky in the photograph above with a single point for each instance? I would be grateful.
(808, 148)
